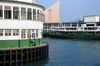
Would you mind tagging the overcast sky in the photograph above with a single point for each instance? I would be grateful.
(71, 10)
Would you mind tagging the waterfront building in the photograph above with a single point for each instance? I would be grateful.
(21, 26)
(20, 22)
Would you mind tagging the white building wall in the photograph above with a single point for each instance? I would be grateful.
(91, 19)
(20, 5)
(29, 1)
(9, 37)
(20, 24)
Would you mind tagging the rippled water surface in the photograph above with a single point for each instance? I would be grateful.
(70, 52)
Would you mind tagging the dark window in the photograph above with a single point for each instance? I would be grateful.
(37, 14)
(29, 14)
(34, 14)
(90, 25)
(7, 12)
(1, 12)
(1, 32)
(40, 16)
(15, 13)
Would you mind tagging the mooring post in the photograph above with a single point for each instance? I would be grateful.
(16, 56)
(27, 55)
(31, 54)
(21, 56)
(34, 54)
(10, 57)
(41, 52)
(4, 53)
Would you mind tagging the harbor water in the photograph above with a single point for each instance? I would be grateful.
(70, 52)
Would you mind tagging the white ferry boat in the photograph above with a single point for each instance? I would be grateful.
(87, 28)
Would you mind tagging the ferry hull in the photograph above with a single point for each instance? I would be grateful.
(82, 36)
(45, 34)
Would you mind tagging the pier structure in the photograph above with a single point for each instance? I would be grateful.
(13, 56)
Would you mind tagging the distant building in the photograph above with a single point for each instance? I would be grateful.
(52, 14)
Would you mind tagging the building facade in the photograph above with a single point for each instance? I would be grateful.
(52, 14)
(21, 24)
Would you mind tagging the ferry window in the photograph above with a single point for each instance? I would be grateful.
(23, 13)
(1, 12)
(7, 32)
(37, 14)
(40, 16)
(36, 33)
(34, 14)
(1, 32)
(29, 33)
(43, 17)
(90, 25)
(79, 25)
(7, 12)
(29, 14)
(33, 34)
(15, 32)
(15, 13)
(74, 24)
(85, 28)
(23, 35)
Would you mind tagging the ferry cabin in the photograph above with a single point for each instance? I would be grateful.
(21, 24)
(71, 26)
(81, 29)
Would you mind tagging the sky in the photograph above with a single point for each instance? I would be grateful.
(72, 10)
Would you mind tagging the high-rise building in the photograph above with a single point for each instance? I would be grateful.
(52, 14)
